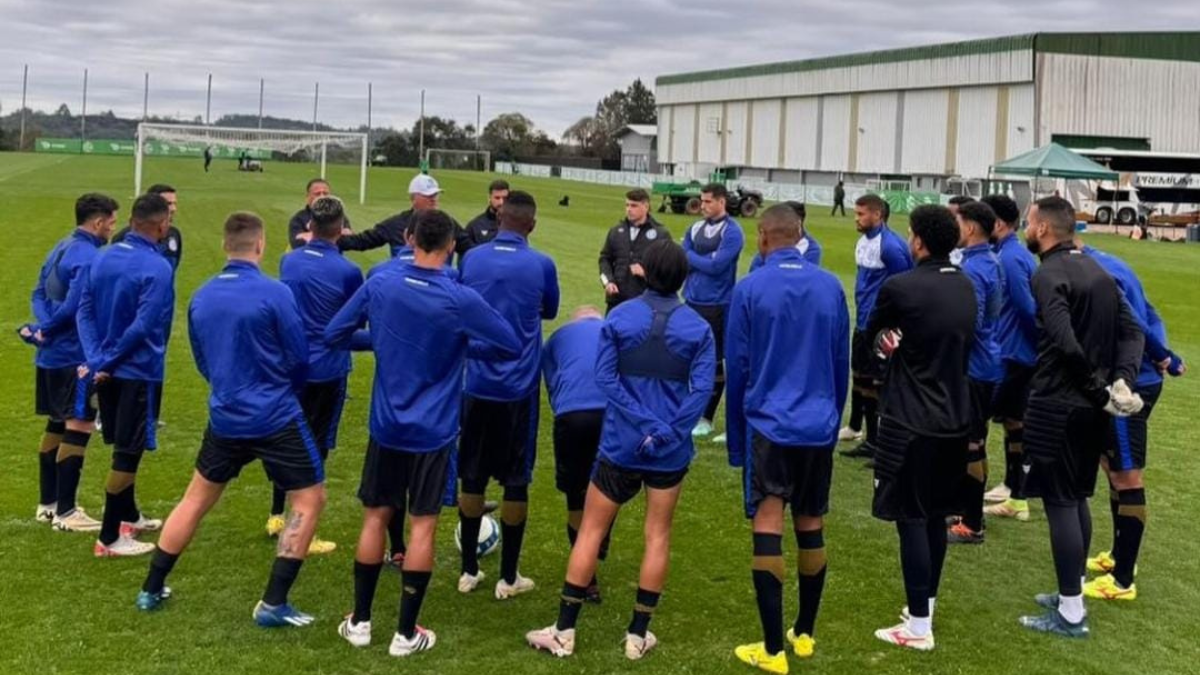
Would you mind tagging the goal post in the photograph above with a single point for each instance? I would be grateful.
(458, 160)
(252, 140)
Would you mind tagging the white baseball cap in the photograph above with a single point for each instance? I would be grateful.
(424, 185)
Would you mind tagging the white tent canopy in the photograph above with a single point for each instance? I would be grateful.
(276, 140)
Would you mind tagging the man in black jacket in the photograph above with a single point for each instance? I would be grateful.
(1089, 351)
(483, 227)
(621, 271)
(423, 191)
(924, 323)
(298, 225)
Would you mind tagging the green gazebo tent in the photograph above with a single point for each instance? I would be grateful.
(1053, 161)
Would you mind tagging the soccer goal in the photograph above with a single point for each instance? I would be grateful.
(458, 160)
(249, 140)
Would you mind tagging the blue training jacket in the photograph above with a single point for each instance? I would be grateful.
(521, 284)
(125, 311)
(1143, 312)
(322, 280)
(423, 326)
(248, 342)
(880, 255)
(808, 247)
(982, 267)
(654, 399)
(712, 261)
(569, 365)
(402, 255)
(56, 297)
(787, 356)
(1016, 327)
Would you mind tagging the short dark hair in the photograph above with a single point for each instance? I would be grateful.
(94, 204)
(936, 227)
(799, 208)
(666, 266)
(1059, 213)
(161, 188)
(638, 195)
(1004, 207)
(873, 202)
(242, 230)
(959, 200)
(149, 207)
(497, 185)
(432, 230)
(313, 182)
(717, 191)
(519, 208)
(979, 213)
(328, 216)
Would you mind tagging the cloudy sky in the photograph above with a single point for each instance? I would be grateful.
(550, 59)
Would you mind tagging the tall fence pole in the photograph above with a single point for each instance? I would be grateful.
(208, 103)
(421, 142)
(316, 99)
(83, 117)
(262, 85)
(24, 88)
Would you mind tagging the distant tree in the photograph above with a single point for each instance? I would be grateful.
(587, 135)
(63, 110)
(508, 135)
(397, 149)
(640, 106)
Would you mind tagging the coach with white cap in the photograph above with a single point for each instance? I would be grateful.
(423, 192)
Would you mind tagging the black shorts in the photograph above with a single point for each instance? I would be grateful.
(127, 410)
(1062, 450)
(865, 366)
(289, 457)
(982, 395)
(576, 440)
(916, 477)
(798, 475)
(1126, 446)
(322, 404)
(420, 482)
(499, 440)
(1012, 395)
(715, 316)
(61, 394)
(621, 485)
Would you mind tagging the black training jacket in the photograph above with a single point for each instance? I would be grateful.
(620, 252)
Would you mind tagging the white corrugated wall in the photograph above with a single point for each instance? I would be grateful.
(736, 114)
(976, 146)
(681, 141)
(925, 118)
(764, 139)
(835, 134)
(710, 132)
(800, 152)
(1020, 120)
(876, 132)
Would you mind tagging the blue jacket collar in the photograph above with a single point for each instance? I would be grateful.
(875, 231)
(83, 235)
(660, 300)
(977, 249)
(785, 254)
(322, 245)
(241, 266)
(510, 237)
(139, 239)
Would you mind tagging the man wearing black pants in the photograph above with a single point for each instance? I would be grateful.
(1089, 351)
(924, 322)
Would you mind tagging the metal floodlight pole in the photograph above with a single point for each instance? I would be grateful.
(478, 119)
(137, 164)
(362, 171)
(316, 98)
(208, 103)
(146, 98)
(262, 85)
(83, 117)
(24, 88)
(367, 141)
(421, 142)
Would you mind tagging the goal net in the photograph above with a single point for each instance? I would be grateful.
(458, 160)
(255, 142)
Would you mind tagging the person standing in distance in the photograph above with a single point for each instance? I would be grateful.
(485, 226)
(621, 271)
(301, 221)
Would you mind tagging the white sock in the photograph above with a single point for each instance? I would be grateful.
(1071, 607)
(932, 605)
(920, 625)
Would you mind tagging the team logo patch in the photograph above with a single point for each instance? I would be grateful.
(173, 245)
(652, 235)
(483, 232)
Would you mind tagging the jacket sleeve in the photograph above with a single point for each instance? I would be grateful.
(40, 304)
(737, 375)
(607, 256)
(841, 352)
(1018, 286)
(701, 379)
(367, 239)
(339, 332)
(1131, 343)
(895, 257)
(725, 257)
(294, 345)
(297, 226)
(1055, 313)
(64, 315)
(197, 347)
(155, 298)
(489, 336)
(756, 262)
(813, 254)
(85, 320)
(609, 381)
(550, 291)
(886, 313)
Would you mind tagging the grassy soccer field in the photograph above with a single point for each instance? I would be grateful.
(62, 611)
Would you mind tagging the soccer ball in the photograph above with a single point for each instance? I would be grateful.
(489, 536)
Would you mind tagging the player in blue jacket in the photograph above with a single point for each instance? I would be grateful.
(61, 396)
(1017, 336)
(248, 342)
(985, 370)
(787, 355)
(425, 320)
(123, 320)
(322, 280)
(713, 246)
(656, 365)
(808, 246)
(569, 366)
(500, 398)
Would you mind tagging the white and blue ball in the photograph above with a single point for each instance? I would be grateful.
(489, 536)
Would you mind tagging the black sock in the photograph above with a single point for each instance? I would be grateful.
(412, 594)
(1114, 507)
(115, 508)
(915, 564)
(569, 605)
(469, 532)
(1014, 455)
(283, 575)
(396, 532)
(1066, 545)
(935, 532)
(856, 410)
(714, 401)
(812, 565)
(278, 500)
(974, 484)
(132, 512)
(871, 418)
(161, 564)
(513, 512)
(1131, 524)
(69, 470)
(366, 578)
(644, 609)
(767, 573)
(48, 474)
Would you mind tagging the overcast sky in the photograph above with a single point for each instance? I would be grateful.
(550, 59)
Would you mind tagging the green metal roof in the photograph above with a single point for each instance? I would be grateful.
(1170, 46)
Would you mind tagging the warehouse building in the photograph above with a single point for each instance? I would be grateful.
(924, 114)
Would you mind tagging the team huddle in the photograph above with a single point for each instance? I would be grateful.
(956, 326)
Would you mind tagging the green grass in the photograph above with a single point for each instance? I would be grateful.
(64, 612)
